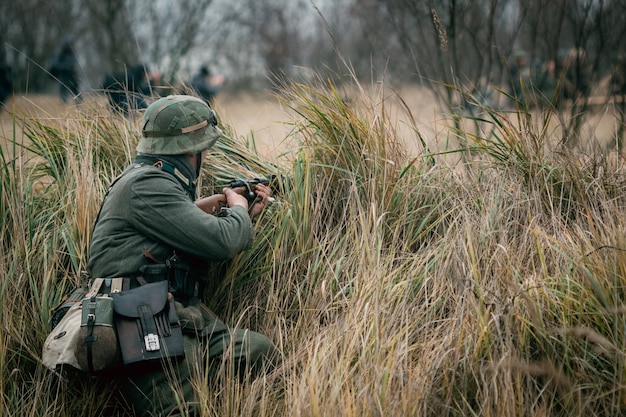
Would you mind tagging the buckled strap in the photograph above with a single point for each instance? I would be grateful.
(90, 338)
(150, 332)
(116, 285)
(95, 287)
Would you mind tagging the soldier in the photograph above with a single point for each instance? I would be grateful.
(148, 218)
(574, 74)
(206, 85)
(519, 78)
(6, 86)
(618, 77)
(518, 70)
(127, 90)
(64, 68)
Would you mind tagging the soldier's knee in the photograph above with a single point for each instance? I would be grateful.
(262, 354)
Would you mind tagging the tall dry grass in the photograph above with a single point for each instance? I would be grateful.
(393, 284)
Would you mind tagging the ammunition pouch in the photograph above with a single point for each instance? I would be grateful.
(182, 282)
(176, 272)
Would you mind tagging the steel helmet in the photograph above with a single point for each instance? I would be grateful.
(178, 124)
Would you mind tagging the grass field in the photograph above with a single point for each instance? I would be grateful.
(395, 282)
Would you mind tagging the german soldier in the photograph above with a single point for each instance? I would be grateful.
(149, 221)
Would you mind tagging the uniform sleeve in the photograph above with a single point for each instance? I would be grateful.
(162, 210)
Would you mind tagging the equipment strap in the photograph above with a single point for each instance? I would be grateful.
(95, 287)
(116, 285)
(90, 338)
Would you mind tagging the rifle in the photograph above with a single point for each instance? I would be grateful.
(272, 181)
(213, 204)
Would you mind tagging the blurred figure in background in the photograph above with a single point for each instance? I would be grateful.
(6, 86)
(206, 85)
(618, 77)
(127, 90)
(519, 75)
(546, 82)
(574, 74)
(64, 68)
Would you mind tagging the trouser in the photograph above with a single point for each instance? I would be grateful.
(169, 388)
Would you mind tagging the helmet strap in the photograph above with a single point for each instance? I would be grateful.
(198, 164)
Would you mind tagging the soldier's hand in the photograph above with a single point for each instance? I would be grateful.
(235, 199)
(264, 198)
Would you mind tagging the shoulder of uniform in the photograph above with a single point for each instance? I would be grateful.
(148, 174)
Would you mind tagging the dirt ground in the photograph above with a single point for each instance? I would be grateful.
(262, 117)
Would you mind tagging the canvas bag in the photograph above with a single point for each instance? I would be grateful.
(76, 296)
(58, 348)
(74, 342)
(147, 323)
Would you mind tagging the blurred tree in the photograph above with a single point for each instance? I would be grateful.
(462, 43)
(468, 44)
(32, 31)
(572, 43)
(455, 43)
(273, 28)
(167, 32)
(110, 35)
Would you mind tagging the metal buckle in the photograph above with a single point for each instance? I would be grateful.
(152, 342)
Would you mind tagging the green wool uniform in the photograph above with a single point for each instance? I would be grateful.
(147, 216)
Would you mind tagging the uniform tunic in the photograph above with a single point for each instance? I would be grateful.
(147, 214)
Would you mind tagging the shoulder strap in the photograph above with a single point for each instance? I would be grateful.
(117, 285)
(95, 287)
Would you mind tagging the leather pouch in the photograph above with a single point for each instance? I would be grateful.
(147, 324)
